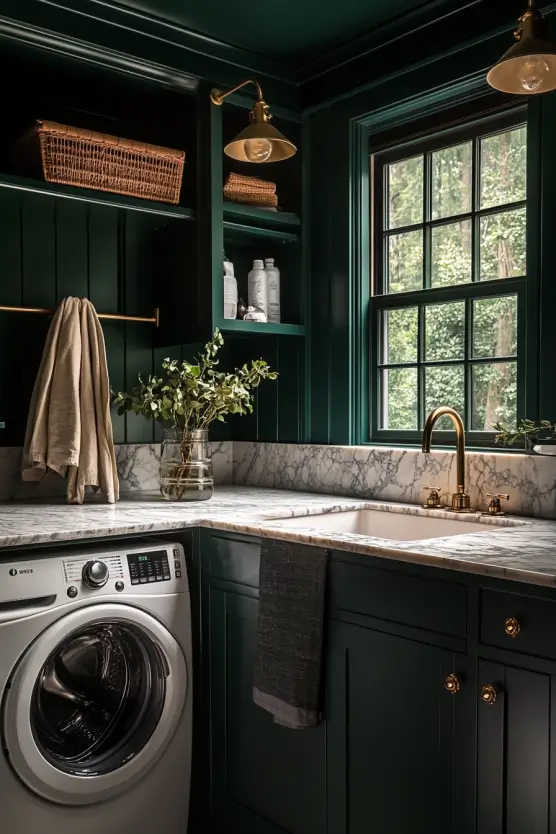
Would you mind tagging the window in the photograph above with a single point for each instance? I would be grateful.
(449, 270)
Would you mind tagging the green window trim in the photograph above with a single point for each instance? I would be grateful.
(374, 132)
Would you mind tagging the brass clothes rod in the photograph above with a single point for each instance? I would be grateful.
(155, 319)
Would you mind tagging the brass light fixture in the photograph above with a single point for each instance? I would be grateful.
(260, 141)
(529, 66)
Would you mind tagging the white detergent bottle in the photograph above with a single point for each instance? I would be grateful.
(273, 290)
(256, 287)
(230, 290)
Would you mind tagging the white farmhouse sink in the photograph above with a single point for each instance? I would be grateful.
(387, 525)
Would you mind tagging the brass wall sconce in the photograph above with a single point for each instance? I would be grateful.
(529, 66)
(259, 141)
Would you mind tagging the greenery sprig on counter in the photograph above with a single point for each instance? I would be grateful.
(526, 430)
(192, 395)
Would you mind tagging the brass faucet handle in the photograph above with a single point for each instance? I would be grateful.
(494, 507)
(433, 500)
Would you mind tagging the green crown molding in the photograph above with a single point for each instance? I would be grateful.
(125, 40)
(89, 53)
(397, 48)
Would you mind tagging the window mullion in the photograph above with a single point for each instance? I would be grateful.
(427, 190)
(421, 336)
(475, 192)
(468, 368)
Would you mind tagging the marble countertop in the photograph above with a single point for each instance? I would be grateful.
(513, 548)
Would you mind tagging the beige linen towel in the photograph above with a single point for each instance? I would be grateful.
(69, 430)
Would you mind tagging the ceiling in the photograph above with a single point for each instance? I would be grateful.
(294, 31)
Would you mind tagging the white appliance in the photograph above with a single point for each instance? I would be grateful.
(95, 674)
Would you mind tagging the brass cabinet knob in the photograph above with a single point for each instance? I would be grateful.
(512, 627)
(452, 684)
(488, 694)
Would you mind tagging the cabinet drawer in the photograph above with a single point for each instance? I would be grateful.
(535, 618)
(430, 604)
(234, 560)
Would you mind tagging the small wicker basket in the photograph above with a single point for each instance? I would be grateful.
(74, 156)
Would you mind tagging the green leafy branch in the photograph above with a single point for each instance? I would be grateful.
(192, 395)
(526, 430)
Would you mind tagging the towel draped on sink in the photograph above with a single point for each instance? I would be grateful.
(69, 429)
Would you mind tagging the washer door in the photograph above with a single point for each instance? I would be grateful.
(93, 703)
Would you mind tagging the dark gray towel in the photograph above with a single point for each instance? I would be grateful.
(287, 680)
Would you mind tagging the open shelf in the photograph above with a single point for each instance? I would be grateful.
(240, 231)
(259, 327)
(102, 198)
(239, 213)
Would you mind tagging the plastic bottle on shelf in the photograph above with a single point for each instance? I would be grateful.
(256, 287)
(273, 290)
(230, 290)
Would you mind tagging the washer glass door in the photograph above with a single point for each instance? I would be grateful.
(93, 703)
(98, 698)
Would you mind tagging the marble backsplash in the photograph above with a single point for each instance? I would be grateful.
(399, 474)
(352, 471)
(137, 467)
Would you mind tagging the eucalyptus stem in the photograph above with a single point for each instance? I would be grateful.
(192, 395)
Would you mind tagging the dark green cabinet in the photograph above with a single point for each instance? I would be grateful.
(397, 752)
(265, 779)
(392, 734)
(515, 737)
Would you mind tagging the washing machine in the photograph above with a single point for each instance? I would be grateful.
(95, 675)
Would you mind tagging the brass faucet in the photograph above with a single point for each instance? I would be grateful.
(460, 499)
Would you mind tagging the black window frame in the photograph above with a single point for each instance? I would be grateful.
(380, 157)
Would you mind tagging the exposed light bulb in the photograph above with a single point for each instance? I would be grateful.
(257, 150)
(533, 72)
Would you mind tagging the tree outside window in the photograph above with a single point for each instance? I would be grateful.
(449, 273)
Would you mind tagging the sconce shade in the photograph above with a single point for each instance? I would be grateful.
(280, 147)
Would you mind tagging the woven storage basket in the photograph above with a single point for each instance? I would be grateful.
(87, 159)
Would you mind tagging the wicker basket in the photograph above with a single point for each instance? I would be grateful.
(87, 159)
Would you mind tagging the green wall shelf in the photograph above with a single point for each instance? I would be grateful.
(101, 198)
(239, 231)
(263, 218)
(260, 328)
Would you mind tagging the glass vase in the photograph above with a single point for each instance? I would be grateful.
(186, 466)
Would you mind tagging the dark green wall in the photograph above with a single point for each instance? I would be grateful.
(338, 137)
(51, 248)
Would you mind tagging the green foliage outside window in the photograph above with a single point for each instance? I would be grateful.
(460, 331)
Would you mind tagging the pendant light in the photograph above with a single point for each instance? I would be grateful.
(259, 141)
(529, 66)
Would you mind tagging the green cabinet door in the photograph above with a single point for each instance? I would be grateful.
(515, 740)
(265, 779)
(391, 734)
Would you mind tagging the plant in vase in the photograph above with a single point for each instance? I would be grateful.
(190, 396)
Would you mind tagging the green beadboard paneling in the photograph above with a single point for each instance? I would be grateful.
(50, 249)
(320, 156)
(71, 249)
(38, 247)
(10, 249)
(104, 258)
(267, 393)
(290, 388)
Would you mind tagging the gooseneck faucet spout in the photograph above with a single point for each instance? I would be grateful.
(460, 499)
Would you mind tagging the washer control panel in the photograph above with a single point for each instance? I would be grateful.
(140, 565)
(149, 566)
(92, 571)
